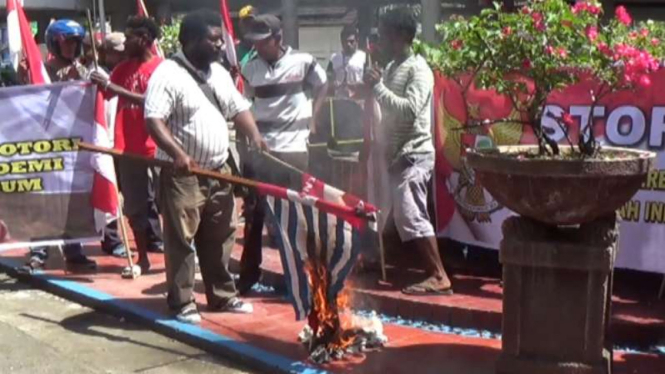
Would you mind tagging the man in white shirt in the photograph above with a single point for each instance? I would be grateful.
(347, 68)
(281, 82)
(188, 102)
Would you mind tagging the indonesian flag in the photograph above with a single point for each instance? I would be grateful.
(229, 41)
(104, 186)
(143, 12)
(22, 44)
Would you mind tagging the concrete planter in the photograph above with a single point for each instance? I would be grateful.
(561, 192)
(558, 257)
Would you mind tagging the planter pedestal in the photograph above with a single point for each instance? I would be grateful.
(557, 283)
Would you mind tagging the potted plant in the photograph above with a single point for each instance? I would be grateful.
(527, 55)
(558, 256)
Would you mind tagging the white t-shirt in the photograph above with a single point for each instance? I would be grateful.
(348, 69)
(196, 124)
(282, 98)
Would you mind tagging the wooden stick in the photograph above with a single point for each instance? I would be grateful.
(167, 164)
(125, 240)
(91, 30)
(662, 288)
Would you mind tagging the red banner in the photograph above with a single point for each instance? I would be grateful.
(634, 119)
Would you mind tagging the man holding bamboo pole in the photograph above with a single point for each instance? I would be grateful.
(129, 82)
(281, 82)
(188, 102)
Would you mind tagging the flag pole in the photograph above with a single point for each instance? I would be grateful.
(369, 109)
(167, 164)
(93, 40)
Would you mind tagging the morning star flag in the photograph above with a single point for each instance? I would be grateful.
(22, 44)
(49, 192)
(313, 229)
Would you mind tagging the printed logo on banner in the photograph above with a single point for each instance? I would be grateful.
(473, 202)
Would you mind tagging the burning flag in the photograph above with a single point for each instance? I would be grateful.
(321, 233)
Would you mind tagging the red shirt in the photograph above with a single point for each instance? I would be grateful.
(131, 133)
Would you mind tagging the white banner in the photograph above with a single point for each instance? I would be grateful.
(45, 184)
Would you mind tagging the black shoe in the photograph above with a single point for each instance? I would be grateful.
(31, 266)
(81, 263)
(245, 284)
(156, 248)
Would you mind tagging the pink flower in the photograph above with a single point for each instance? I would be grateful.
(644, 81)
(622, 15)
(526, 64)
(592, 33)
(525, 10)
(567, 119)
(633, 35)
(538, 21)
(604, 49)
(655, 42)
(586, 7)
(507, 31)
(549, 50)
(456, 44)
(644, 32)
(562, 52)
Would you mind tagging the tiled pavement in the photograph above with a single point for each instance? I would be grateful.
(267, 338)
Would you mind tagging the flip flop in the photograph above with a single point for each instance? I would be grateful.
(422, 290)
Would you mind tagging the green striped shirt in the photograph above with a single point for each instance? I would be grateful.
(405, 97)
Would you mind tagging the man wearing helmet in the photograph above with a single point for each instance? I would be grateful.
(64, 40)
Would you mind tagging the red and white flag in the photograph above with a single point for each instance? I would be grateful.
(143, 12)
(230, 41)
(104, 185)
(22, 44)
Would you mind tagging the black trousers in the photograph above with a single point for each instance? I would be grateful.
(261, 168)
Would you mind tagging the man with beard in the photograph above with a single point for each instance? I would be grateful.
(188, 102)
(129, 81)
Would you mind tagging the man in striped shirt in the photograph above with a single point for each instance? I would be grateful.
(281, 81)
(188, 102)
(404, 92)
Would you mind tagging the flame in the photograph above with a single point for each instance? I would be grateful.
(331, 323)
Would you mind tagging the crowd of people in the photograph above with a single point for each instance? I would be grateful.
(177, 109)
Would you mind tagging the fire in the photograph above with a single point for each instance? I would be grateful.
(328, 321)
(332, 329)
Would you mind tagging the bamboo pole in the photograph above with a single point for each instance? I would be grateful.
(167, 164)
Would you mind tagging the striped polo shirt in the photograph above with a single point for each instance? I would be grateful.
(196, 123)
(282, 98)
(405, 97)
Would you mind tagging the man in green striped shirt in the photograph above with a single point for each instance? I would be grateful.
(404, 92)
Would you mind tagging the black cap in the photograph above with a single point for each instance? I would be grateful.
(263, 27)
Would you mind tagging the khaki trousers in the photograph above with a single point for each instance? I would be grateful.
(198, 213)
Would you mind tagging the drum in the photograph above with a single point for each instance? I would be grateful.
(335, 147)
(339, 128)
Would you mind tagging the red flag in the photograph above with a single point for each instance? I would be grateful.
(229, 41)
(22, 44)
(104, 190)
(142, 11)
